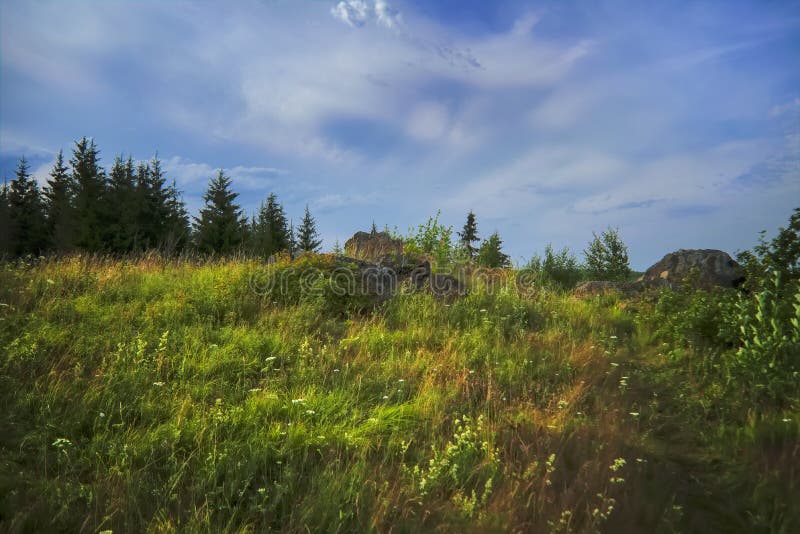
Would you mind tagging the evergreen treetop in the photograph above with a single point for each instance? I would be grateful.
(307, 235)
(220, 228)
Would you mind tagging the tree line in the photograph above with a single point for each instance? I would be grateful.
(132, 208)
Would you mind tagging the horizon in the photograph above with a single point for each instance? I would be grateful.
(679, 124)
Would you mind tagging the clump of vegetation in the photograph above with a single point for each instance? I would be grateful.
(607, 257)
(557, 269)
(161, 394)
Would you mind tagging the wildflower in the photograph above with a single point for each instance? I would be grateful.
(271, 359)
(255, 390)
(298, 401)
(401, 380)
(634, 414)
(613, 337)
(386, 397)
(483, 310)
(336, 370)
(310, 412)
(158, 384)
(102, 414)
(786, 420)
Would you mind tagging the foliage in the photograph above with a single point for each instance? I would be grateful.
(469, 235)
(433, 239)
(307, 236)
(59, 206)
(607, 257)
(269, 230)
(768, 317)
(558, 269)
(490, 253)
(91, 200)
(769, 353)
(752, 337)
(197, 395)
(220, 228)
(465, 469)
(26, 213)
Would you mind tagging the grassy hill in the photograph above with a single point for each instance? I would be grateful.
(151, 395)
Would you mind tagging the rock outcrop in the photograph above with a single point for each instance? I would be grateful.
(385, 269)
(705, 268)
(373, 246)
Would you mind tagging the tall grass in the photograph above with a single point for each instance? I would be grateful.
(157, 395)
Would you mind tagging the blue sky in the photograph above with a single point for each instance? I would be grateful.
(678, 122)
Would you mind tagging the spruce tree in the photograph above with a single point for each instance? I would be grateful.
(177, 230)
(469, 235)
(91, 199)
(270, 229)
(123, 227)
(220, 227)
(491, 253)
(156, 204)
(307, 235)
(59, 197)
(144, 224)
(259, 242)
(26, 213)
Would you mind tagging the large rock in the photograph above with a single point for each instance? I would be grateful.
(707, 268)
(382, 268)
(373, 247)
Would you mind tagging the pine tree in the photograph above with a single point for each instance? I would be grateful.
(123, 227)
(220, 228)
(59, 197)
(270, 229)
(258, 235)
(26, 213)
(91, 199)
(491, 253)
(177, 230)
(144, 235)
(337, 248)
(607, 257)
(469, 235)
(307, 235)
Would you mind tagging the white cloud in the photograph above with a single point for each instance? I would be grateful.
(353, 12)
(195, 176)
(387, 15)
(335, 201)
(356, 13)
(793, 106)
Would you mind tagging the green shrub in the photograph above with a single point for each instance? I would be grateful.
(557, 269)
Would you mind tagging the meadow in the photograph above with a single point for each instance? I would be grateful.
(157, 395)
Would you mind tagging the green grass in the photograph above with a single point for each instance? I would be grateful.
(159, 396)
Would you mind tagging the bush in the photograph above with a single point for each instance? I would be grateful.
(607, 257)
(557, 269)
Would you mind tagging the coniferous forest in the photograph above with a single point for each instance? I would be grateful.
(134, 207)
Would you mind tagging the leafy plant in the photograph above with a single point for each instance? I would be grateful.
(607, 257)
(558, 269)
